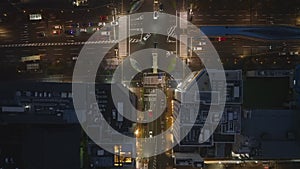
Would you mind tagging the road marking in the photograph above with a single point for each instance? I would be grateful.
(246, 19)
(134, 40)
(9, 51)
(58, 44)
(230, 19)
(40, 27)
(198, 19)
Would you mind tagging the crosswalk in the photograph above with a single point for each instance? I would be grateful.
(65, 43)
(134, 40)
(58, 44)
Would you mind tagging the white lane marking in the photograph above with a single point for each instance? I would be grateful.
(230, 19)
(246, 19)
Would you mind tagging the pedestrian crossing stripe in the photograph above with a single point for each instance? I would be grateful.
(58, 44)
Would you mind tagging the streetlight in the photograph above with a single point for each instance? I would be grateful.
(136, 132)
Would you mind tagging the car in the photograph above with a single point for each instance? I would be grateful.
(155, 15)
(84, 25)
(75, 25)
(202, 43)
(83, 30)
(161, 7)
(220, 39)
(103, 18)
(197, 48)
(105, 33)
(282, 53)
(41, 34)
(114, 23)
(150, 133)
(57, 27)
(70, 32)
(56, 32)
(90, 24)
(101, 24)
(147, 36)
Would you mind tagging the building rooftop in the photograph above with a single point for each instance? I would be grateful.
(273, 128)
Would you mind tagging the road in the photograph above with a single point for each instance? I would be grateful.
(21, 37)
(23, 31)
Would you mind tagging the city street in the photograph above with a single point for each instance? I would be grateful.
(41, 41)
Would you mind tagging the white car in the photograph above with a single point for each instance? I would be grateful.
(155, 15)
(106, 33)
(150, 134)
(57, 27)
(202, 43)
(101, 24)
(197, 48)
(147, 36)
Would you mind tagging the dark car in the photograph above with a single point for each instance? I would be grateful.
(41, 34)
(70, 32)
(161, 7)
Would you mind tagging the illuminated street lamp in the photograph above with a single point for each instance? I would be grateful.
(136, 132)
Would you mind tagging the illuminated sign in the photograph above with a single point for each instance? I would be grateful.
(35, 17)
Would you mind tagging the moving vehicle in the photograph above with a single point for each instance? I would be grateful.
(41, 34)
(197, 48)
(57, 27)
(136, 6)
(56, 32)
(147, 36)
(150, 133)
(161, 7)
(220, 39)
(106, 33)
(155, 15)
